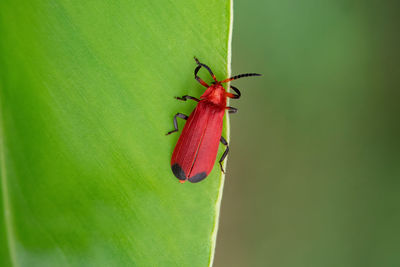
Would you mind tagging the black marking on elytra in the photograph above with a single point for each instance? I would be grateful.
(198, 177)
(178, 172)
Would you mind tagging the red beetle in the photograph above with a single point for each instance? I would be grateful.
(195, 153)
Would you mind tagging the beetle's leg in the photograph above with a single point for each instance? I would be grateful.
(180, 115)
(237, 92)
(230, 95)
(186, 97)
(232, 110)
(223, 141)
(207, 68)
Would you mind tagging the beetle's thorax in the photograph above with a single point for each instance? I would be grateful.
(215, 94)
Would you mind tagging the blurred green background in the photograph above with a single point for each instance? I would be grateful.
(313, 173)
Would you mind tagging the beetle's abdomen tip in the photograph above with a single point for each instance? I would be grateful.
(178, 172)
(198, 177)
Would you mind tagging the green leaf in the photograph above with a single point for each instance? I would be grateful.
(86, 90)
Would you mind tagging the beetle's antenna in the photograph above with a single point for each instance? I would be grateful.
(207, 68)
(240, 76)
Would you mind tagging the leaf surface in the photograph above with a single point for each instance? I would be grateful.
(86, 97)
